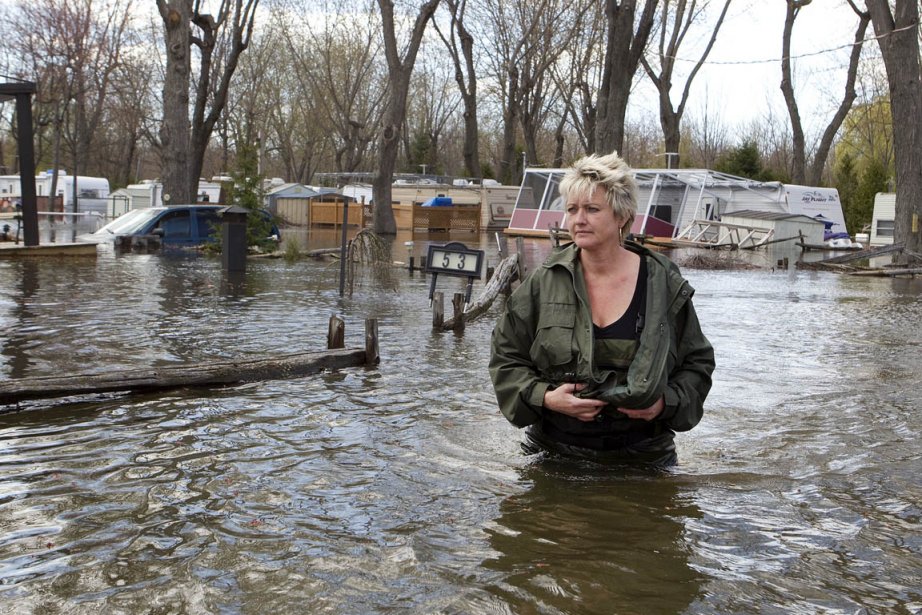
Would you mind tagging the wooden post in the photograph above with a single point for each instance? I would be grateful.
(438, 309)
(234, 239)
(336, 333)
(372, 350)
(22, 91)
(457, 304)
(520, 250)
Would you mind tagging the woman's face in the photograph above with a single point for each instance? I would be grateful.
(590, 220)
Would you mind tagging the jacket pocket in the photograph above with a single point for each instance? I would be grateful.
(554, 345)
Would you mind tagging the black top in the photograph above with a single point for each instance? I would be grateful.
(629, 326)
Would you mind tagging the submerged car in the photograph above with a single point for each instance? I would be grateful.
(176, 225)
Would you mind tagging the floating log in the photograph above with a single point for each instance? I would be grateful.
(889, 272)
(201, 374)
(506, 272)
(323, 252)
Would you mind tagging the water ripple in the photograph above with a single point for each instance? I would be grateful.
(402, 488)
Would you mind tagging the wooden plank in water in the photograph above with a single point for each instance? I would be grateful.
(49, 250)
(202, 374)
(854, 256)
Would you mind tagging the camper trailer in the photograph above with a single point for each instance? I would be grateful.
(91, 192)
(883, 219)
(682, 204)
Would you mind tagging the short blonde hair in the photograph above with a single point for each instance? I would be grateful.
(609, 172)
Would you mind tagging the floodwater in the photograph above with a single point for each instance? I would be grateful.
(402, 489)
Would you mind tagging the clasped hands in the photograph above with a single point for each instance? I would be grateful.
(563, 399)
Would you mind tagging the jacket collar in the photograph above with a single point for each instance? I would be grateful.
(568, 255)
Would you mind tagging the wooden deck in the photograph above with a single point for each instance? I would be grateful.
(14, 250)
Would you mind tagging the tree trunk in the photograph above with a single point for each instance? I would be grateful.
(398, 71)
(175, 131)
(507, 165)
(672, 137)
(469, 97)
(897, 33)
(623, 50)
(670, 41)
(183, 143)
(822, 151)
(471, 149)
(799, 161)
(383, 220)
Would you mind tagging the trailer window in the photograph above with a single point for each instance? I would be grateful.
(885, 228)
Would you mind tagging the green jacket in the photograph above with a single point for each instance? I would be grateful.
(545, 338)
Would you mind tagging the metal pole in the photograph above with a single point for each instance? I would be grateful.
(342, 250)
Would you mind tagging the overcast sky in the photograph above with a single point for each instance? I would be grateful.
(743, 73)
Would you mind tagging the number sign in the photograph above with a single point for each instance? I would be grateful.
(454, 259)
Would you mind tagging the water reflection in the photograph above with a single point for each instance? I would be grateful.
(593, 539)
(16, 345)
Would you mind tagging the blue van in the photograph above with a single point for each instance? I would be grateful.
(176, 225)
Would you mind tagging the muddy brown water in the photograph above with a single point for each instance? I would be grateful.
(402, 489)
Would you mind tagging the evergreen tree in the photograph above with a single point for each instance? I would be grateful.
(873, 180)
(247, 192)
(743, 161)
(846, 180)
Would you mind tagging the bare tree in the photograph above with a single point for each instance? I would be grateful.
(771, 133)
(708, 135)
(528, 39)
(578, 79)
(74, 58)
(867, 133)
(399, 70)
(433, 104)
(799, 163)
(127, 113)
(624, 47)
(674, 27)
(248, 109)
(641, 146)
(560, 24)
(337, 63)
(460, 44)
(300, 140)
(220, 38)
(897, 29)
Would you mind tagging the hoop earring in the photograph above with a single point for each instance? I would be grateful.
(620, 237)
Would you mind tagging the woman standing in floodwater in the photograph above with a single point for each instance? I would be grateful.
(599, 353)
